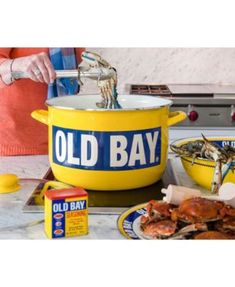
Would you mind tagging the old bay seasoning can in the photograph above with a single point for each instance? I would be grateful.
(66, 212)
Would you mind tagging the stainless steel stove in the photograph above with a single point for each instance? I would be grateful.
(207, 105)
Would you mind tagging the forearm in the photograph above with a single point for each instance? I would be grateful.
(37, 67)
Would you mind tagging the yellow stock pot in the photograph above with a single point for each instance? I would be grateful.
(108, 149)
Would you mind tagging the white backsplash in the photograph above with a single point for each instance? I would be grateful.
(167, 65)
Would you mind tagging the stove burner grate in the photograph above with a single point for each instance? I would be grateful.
(161, 90)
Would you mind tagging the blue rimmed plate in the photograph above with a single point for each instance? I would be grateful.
(129, 222)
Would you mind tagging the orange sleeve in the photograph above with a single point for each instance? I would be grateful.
(78, 54)
(4, 54)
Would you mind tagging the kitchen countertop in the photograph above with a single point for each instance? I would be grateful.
(15, 224)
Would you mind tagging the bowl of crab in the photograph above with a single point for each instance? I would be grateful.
(209, 161)
(193, 218)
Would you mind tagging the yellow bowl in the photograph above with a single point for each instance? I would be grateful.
(202, 171)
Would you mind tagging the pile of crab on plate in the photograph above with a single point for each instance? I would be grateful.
(194, 218)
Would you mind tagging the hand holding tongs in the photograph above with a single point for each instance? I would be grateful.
(95, 68)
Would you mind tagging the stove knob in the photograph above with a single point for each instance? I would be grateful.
(233, 117)
(193, 116)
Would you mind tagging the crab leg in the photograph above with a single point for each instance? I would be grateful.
(104, 102)
(189, 228)
(109, 93)
(195, 155)
(214, 152)
(106, 94)
(180, 151)
(110, 96)
(217, 177)
(226, 167)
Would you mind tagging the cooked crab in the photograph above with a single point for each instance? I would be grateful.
(228, 211)
(227, 226)
(159, 207)
(213, 219)
(160, 229)
(198, 209)
(211, 235)
(156, 210)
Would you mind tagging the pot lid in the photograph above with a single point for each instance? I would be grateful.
(127, 102)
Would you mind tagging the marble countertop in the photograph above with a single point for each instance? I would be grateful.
(15, 224)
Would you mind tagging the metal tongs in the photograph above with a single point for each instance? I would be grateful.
(98, 74)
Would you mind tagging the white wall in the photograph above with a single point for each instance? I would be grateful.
(168, 65)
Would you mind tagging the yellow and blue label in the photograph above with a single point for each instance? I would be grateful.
(95, 150)
(66, 217)
(223, 143)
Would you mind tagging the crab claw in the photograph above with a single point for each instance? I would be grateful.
(94, 59)
(204, 138)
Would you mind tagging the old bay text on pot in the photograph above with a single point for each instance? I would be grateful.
(97, 150)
